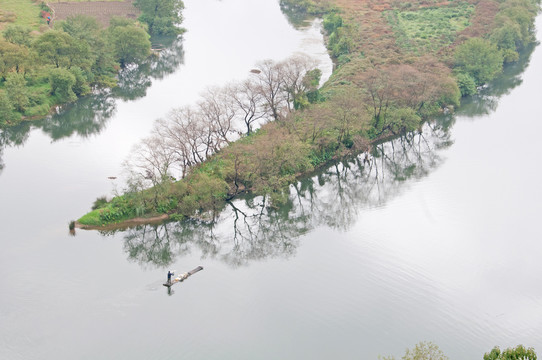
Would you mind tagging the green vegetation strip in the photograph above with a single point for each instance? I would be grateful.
(429, 29)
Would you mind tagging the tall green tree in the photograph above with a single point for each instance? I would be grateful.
(7, 115)
(163, 16)
(62, 82)
(480, 59)
(87, 30)
(17, 91)
(60, 49)
(18, 34)
(13, 57)
(130, 43)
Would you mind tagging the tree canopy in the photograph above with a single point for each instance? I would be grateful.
(480, 59)
(162, 16)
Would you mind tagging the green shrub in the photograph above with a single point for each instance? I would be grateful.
(466, 84)
(99, 203)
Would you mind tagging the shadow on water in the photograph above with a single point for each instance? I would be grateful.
(90, 114)
(249, 230)
(85, 117)
(134, 81)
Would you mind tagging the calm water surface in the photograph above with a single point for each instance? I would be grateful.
(437, 239)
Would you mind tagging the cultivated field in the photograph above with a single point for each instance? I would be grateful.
(103, 11)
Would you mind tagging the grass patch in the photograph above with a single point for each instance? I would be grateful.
(20, 12)
(429, 29)
(92, 218)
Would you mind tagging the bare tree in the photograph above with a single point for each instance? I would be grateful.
(248, 102)
(218, 111)
(189, 136)
(151, 160)
(270, 79)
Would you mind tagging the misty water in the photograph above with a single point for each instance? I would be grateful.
(435, 239)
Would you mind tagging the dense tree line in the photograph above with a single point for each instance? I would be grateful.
(480, 59)
(62, 64)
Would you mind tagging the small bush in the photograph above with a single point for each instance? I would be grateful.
(99, 203)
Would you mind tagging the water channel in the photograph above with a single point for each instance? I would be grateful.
(437, 239)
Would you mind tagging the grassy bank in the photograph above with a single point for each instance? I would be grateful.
(397, 65)
(21, 12)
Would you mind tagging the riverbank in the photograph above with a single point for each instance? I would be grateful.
(390, 77)
(72, 50)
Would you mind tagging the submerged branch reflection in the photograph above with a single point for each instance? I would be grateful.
(248, 229)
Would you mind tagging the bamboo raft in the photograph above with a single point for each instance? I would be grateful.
(183, 276)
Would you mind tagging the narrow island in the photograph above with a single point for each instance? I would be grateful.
(398, 64)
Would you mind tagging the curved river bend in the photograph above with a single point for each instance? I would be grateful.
(437, 239)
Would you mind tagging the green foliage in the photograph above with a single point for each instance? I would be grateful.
(17, 91)
(78, 48)
(321, 156)
(513, 28)
(430, 29)
(274, 156)
(81, 86)
(129, 42)
(7, 113)
(402, 120)
(62, 82)
(162, 16)
(517, 353)
(339, 43)
(99, 203)
(13, 57)
(83, 28)
(332, 22)
(480, 59)
(18, 34)
(91, 218)
(467, 85)
(208, 192)
(52, 48)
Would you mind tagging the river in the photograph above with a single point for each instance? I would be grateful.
(437, 239)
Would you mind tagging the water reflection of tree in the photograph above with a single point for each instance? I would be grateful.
(250, 230)
(134, 81)
(13, 136)
(85, 117)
